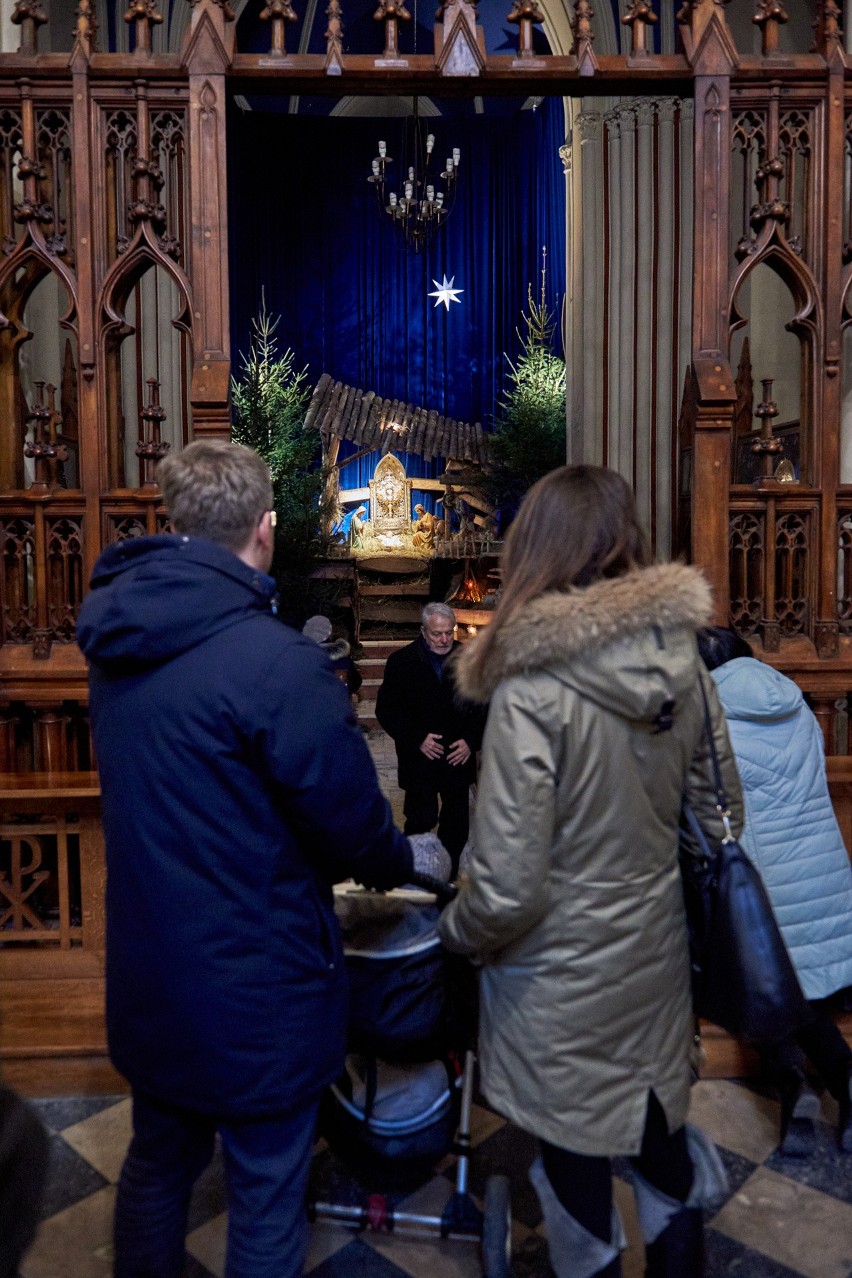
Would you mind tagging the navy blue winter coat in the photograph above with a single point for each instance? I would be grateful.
(237, 788)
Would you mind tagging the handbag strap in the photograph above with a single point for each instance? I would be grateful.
(722, 805)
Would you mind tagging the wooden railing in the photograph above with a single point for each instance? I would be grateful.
(52, 933)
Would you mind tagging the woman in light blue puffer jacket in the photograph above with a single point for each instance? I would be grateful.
(793, 838)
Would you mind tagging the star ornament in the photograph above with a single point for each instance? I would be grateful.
(445, 291)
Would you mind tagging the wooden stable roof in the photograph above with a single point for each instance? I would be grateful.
(344, 412)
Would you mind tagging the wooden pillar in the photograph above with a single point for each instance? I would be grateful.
(827, 428)
(714, 57)
(51, 739)
(94, 427)
(8, 749)
(825, 713)
(206, 56)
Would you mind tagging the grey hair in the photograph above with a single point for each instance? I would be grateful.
(437, 610)
(216, 489)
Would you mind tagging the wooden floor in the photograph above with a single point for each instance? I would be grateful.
(92, 1074)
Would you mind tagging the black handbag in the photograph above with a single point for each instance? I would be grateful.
(742, 977)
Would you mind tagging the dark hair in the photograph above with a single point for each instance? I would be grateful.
(575, 526)
(718, 644)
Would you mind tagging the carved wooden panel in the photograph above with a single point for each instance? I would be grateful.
(11, 148)
(17, 579)
(747, 549)
(65, 576)
(793, 551)
(53, 133)
(40, 884)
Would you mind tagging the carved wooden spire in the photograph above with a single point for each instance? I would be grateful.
(31, 210)
(29, 16)
(391, 13)
(829, 36)
(86, 26)
(639, 17)
(278, 13)
(584, 37)
(525, 13)
(770, 16)
(42, 448)
(146, 15)
(151, 448)
(334, 39)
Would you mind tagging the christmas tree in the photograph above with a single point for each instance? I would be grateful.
(529, 435)
(270, 399)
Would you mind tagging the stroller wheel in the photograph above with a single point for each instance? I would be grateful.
(497, 1229)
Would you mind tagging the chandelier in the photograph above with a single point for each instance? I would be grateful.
(424, 200)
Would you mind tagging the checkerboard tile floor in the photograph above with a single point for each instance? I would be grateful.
(784, 1218)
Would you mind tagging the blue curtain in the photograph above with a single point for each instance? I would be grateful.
(306, 228)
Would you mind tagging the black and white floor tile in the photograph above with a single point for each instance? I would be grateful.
(784, 1218)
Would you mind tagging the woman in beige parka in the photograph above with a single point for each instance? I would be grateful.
(573, 900)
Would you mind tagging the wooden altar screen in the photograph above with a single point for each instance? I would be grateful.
(113, 172)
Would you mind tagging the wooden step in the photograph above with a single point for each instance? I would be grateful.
(373, 650)
(399, 611)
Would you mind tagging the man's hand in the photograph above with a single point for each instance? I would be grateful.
(459, 752)
(432, 747)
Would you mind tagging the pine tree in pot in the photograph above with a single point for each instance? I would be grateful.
(270, 399)
(530, 431)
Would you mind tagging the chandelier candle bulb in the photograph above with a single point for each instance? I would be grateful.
(430, 143)
(383, 149)
(456, 155)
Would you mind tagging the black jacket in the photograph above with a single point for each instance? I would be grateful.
(237, 789)
(413, 702)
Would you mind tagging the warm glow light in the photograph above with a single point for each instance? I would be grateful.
(471, 630)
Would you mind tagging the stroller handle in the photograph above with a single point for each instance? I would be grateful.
(443, 892)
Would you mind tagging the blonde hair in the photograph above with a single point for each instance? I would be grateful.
(575, 526)
(217, 490)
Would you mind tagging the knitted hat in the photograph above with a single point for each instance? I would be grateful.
(317, 628)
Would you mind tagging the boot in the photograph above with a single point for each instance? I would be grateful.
(574, 1251)
(674, 1230)
(799, 1112)
(678, 1252)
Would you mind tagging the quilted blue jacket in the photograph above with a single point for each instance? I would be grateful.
(237, 788)
(790, 830)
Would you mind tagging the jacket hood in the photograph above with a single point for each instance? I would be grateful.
(153, 598)
(626, 643)
(749, 689)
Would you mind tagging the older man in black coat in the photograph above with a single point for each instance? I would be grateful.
(435, 733)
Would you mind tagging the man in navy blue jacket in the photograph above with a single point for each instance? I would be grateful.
(237, 789)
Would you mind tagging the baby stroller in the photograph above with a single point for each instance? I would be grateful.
(405, 1098)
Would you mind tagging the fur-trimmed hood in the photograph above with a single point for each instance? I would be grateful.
(575, 634)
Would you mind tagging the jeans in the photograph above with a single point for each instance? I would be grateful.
(267, 1161)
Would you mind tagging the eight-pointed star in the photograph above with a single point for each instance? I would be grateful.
(446, 293)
